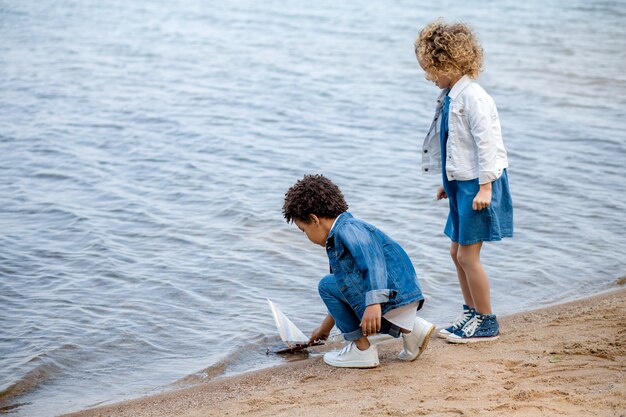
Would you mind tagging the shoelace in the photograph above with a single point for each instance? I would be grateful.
(472, 325)
(462, 319)
(347, 348)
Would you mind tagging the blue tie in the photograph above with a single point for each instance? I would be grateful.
(443, 133)
(444, 117)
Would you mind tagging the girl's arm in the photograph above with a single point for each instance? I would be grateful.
(480, 114)
(483, 197)
(441, 193)
(481, 129)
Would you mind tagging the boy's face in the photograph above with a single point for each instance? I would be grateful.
(314, 230)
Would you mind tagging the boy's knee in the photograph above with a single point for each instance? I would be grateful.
(324, 286)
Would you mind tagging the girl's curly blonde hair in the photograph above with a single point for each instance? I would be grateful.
(443, 48)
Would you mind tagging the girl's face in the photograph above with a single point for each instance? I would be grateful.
(440, 80)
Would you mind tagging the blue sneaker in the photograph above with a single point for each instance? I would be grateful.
(458, 324)
(480, 328)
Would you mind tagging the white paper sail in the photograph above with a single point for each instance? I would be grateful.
(287, 330)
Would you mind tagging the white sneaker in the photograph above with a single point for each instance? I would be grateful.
(416, 341)
(351, 357)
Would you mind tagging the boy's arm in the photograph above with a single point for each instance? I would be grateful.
(372, 319)
(322, 332)
(370, 260)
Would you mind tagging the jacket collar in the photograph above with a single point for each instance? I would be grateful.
(459, 86)
(439, 102)
(341, 219)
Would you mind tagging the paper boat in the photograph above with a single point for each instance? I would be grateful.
(289, 333)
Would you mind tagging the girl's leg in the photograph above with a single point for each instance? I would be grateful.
(346, 319)
(465, 289)
(468, 258)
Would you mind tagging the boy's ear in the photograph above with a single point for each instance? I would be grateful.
(314, 219)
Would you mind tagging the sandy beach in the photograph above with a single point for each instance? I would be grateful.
(565, 360)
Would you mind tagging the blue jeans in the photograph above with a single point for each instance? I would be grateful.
(346, 319)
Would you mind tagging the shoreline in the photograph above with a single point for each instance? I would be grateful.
(566, 359)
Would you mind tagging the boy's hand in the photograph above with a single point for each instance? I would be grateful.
(371, 319)
(323, 331)
(319, 334)
(483, 197)
(441, 193)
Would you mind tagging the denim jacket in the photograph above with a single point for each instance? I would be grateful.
(369, 266)
(475, 148)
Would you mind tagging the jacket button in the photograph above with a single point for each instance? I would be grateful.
(426, 169)
(425, 150)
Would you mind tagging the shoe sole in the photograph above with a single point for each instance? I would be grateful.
(423, 346)
(426, 340)
(471, 339)
(443, 335)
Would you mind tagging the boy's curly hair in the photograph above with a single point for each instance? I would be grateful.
(313, 194)
(443, 48)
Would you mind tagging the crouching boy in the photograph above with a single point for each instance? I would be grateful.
(372, 287)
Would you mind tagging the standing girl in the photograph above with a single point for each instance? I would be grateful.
(464, 143)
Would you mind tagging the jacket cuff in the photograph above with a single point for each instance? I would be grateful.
(376, 297)
(485, 177)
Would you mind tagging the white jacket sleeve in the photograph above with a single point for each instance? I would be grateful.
(481, 125)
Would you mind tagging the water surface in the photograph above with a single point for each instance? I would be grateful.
(146, 146)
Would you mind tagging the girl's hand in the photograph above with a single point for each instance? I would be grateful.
(371, 319)
(441, 193)
(483, 197)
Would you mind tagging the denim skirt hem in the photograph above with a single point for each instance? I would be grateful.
(467, 226)
(471, 242)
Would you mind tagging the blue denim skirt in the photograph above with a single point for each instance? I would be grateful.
(467, 226)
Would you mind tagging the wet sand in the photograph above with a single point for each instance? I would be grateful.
(566, 360)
